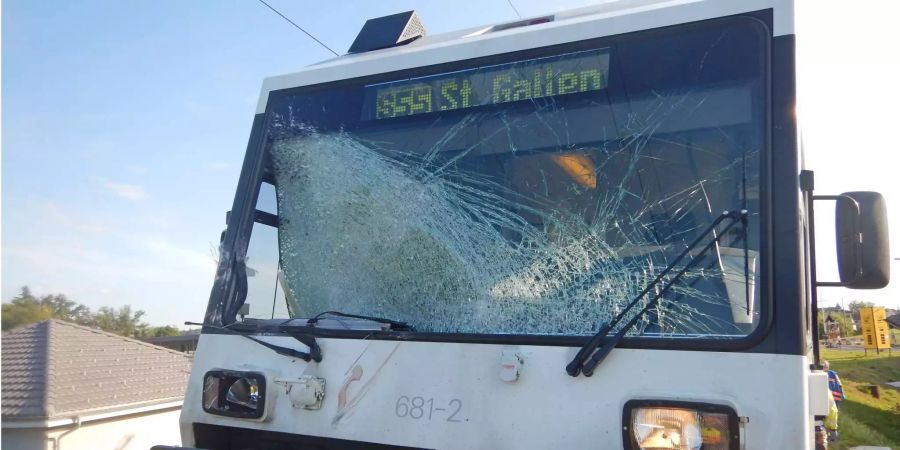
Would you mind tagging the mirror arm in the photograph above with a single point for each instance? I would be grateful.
(807, 186)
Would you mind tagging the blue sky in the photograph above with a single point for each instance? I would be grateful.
(125, 122)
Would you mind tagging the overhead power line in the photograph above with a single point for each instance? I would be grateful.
(301, 28)
(511, 5)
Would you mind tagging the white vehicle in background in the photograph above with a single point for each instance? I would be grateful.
(583, 230)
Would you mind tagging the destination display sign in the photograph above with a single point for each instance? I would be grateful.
(531, 79)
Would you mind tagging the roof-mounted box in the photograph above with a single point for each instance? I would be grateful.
(388, 31)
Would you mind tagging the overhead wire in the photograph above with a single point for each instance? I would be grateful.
(511, 5)
(299, 27)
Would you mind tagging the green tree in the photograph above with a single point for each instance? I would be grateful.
(167, 330)
(66, 309)
(23, 310)
(856, 305)
(122, 321)
(26, 309)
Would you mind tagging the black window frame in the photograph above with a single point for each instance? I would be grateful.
(256, 170)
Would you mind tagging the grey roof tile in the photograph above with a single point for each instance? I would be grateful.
(56, 369)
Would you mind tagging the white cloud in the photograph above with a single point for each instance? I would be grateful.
(219, 165)
(57, 215)
(176, 256)
(136, 169)
(131, 192)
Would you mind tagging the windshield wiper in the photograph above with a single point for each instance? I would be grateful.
(314, 354)
(392, 324)
(590, 356)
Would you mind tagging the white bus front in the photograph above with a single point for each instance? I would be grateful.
(457, 215)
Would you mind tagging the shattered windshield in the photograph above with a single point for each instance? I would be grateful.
(537, 193)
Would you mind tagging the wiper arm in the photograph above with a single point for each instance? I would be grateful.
(315, 352)
(392, 324)
(589, 356)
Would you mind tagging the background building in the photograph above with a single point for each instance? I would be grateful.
(65, 386)
(186, 342)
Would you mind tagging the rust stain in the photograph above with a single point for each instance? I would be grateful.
(356, 373)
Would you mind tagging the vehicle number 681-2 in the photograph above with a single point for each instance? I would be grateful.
(417, 408)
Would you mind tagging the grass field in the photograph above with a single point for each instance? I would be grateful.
(865, 420)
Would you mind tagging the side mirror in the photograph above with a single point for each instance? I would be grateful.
(863, 249)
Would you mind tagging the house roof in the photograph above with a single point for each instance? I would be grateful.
(894, 320)
(55, 369)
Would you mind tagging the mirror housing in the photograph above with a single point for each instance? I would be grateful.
(863, 250)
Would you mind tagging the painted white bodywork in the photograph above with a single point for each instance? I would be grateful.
(545, 408)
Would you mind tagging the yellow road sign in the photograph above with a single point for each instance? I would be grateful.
(875, 328)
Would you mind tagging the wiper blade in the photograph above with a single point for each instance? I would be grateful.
(589, 356)
(392, 324)
(314, 354)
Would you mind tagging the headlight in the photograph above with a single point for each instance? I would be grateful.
(664, 425)
(234, 394)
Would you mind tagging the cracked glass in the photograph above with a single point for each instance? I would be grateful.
(534, 193)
